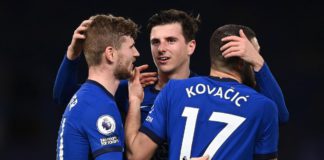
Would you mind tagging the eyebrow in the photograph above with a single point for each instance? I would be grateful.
(154, 39)
(167, 38)
(171, 38)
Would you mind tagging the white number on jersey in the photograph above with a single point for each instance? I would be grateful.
(191, 113)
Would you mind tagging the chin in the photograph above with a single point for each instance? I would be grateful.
(123, 75)
(166, 69)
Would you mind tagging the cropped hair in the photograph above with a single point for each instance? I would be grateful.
(231, 64)
(104, 31)
(188, 22)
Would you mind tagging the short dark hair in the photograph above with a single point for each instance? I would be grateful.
(106, 30)
(235, 64)
(188, 23)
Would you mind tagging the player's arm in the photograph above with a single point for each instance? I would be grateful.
(141, 144)
(249, 51)
(101, 127)
(66, 79)
(138, 145)
(269, 87)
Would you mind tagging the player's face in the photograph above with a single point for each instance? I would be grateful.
(170, 52)
(127, 54)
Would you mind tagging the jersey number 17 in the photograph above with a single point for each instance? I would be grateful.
(191, 113)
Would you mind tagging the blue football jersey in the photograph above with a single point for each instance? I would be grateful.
(150, 94)
(66, 84)
(91, 127)
(211, 116)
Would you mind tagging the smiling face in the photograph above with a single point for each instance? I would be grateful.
(170, 51)
(127, 54)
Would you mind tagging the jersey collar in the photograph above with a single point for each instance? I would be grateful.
(152, 87)
(223, 79)
(100, 86)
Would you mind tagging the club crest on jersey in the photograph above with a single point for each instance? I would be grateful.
(106, 124)
(73, 102)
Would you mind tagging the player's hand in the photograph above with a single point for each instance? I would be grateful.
(76, 46)
(148, 78)
(201, 158)
(135, 89)
(243, 48)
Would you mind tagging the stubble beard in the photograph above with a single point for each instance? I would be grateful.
(122, 71)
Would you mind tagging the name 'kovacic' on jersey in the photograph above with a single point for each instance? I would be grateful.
(227, 94)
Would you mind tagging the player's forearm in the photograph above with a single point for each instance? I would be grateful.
(70, 53)
(132, 125)
(66, 81)
(270, 88)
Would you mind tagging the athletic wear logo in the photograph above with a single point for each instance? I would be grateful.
(73, 102)
(144, 107)
(106, 124)
(152, 109)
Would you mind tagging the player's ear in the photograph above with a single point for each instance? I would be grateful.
(191, 47)
(255, 43)
(110, 54)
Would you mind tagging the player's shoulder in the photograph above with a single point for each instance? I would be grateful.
(91, 93)
(255, 95)
(260, 101)
(87, 94)
(252, 92)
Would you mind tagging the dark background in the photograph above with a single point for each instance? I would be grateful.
(35, 34)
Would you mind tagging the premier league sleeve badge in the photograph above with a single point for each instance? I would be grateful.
(106, 124)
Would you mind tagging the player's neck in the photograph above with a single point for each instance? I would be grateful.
(105, 77)
(220, 74)
(165, 77)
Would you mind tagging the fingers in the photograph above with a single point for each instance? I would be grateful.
(148, 81)
(149, 74)
(86, 23)
(81, 29)
(79, 32)
(136, 74)
(229, 44)
(231, 50)
(148, 78)
(142, 67)
(137, 71)
(206, 157)
(235, 38)
(233, 54)
(79, 36)
(242, 34)
(231, 38)
(235, 46)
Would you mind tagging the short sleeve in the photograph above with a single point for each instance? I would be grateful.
(155, 123)
(105, 133)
